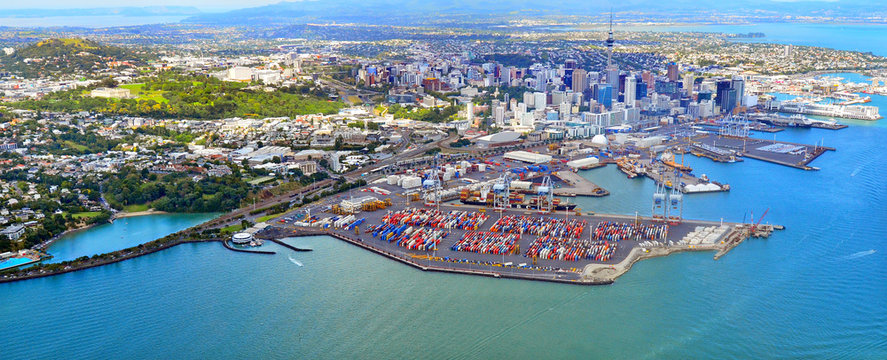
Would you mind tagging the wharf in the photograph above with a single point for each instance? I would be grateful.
(778, 152)
(512, 265)
(685, 182)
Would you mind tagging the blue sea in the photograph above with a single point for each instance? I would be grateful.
(852, 37)
(815, 290)
(92, 21)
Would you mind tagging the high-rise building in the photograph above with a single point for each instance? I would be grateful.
(541, 80)
(630, 90)
(604, 95)
(469, 111)
(529, 100)
(580, 80)
(613, 77)
(738, 84)
(674, 73)
(499, 116)
(540, 100)
(727, 100)
(640, 91)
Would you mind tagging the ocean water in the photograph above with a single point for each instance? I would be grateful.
(97, 21)
(121, 234)
(853, 37)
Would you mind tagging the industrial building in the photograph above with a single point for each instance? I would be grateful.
(527, 157)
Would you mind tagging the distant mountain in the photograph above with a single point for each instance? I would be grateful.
(116, 11)
(416, 12)
(66, 56)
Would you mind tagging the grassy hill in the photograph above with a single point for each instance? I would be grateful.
(54, 57)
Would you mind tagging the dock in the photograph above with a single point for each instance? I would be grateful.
(778, 152)
(687, 235)
(662, 174)
(828, 126)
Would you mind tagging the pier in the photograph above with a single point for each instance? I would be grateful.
(777, 152)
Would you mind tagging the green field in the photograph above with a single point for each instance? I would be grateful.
(138, 91)
(85, 215)
(136, 207)
(261, 180)
(268, 217)
(76, 146)
(231, 229)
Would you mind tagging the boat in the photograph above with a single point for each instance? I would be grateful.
(796, 120)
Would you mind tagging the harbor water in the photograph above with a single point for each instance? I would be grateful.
(121, 234)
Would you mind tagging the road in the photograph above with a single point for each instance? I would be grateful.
(234, 216)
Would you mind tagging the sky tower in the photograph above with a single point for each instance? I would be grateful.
(610, 42)
(612, 71)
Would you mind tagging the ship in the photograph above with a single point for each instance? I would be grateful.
(629, 167)
(796, 120)
(668, 159)
(515, 200)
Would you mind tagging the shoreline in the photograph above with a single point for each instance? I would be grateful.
(123, 214)
(117, 215)
(582, 274)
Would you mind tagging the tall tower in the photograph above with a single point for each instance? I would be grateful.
(612, 70)
(610, 42)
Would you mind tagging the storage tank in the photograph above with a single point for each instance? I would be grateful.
(600, 140)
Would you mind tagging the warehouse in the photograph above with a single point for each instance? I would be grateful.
(527, 157)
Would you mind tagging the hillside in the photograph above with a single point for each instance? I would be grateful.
(54, 57)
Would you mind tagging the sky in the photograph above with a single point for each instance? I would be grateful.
(224, 5)
(206, 5)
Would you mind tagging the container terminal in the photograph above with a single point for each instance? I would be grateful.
(517, 230)
(561, 246)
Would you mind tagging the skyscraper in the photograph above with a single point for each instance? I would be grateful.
(630, 90)
(580, 80)
(605, 95)
(499, 115)
(541, 81)
(739, 85)
(540, 100)
(726, 96)
(674, 73)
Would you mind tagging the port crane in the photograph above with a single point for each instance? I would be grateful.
(755, 226)
(502, 192)
(545, 199)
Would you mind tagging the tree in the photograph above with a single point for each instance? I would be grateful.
(339, 143)
(5, 244)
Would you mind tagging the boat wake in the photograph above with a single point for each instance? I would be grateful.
(859, 254)
(294, 261)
